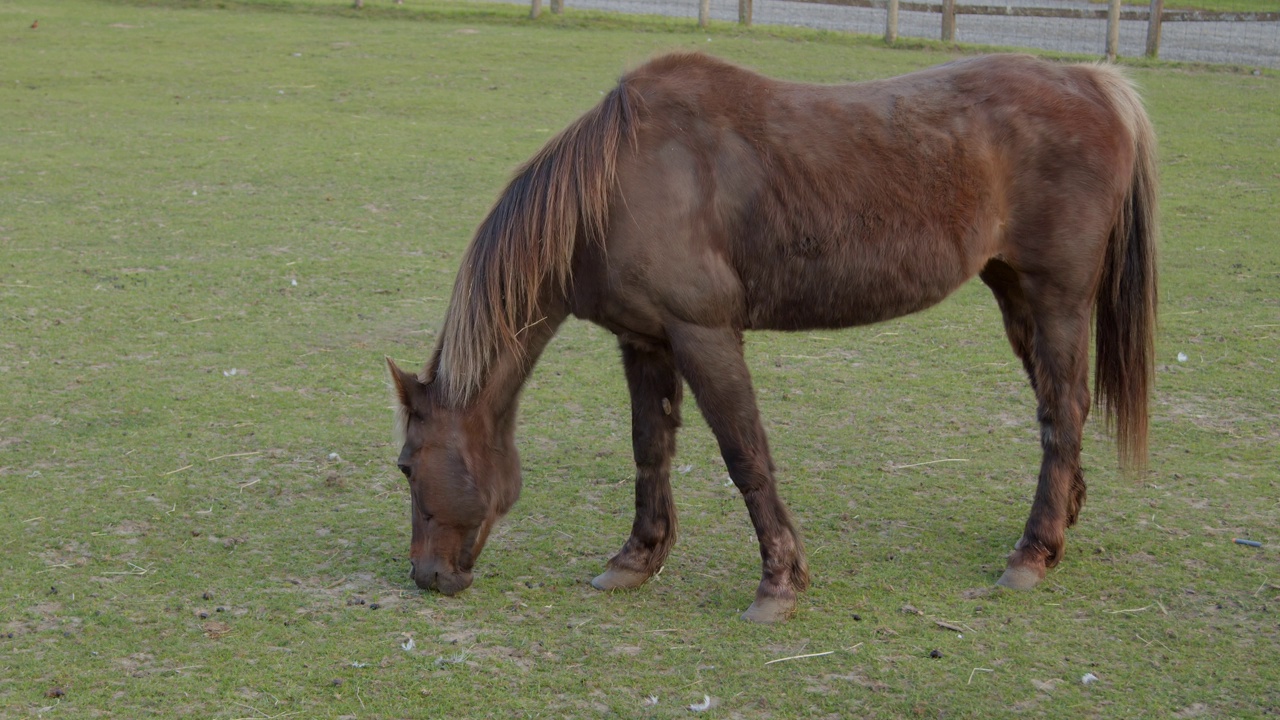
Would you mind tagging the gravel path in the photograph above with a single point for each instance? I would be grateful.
(1242, 43)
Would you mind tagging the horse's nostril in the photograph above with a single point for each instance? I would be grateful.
(423, 576)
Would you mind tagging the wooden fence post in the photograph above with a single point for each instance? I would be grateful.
(704, 13)
(1153, 28)
(744, 12)
(949, 20)
(535, 9)
(891, 23)
(557, 7)
(1113, 30)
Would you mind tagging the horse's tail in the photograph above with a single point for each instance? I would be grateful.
(1125, 312)
(524, 248)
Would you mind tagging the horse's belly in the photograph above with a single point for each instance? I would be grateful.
(816, 299)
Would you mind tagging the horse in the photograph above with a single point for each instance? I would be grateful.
(700, 200)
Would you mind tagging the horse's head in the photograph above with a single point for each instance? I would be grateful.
(463, 474)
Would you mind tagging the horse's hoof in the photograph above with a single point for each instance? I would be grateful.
(615, 579)
(1020, 578)
(769, 610)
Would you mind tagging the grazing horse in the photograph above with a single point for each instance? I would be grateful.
(699, 200)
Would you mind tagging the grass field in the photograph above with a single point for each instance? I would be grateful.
(214, 223)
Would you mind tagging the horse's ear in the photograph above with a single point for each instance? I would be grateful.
(410, 391)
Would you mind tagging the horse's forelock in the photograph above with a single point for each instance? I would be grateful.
(401, 428)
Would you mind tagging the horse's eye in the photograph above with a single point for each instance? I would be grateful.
(405, 469)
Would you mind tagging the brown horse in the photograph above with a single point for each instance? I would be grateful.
(699, 200)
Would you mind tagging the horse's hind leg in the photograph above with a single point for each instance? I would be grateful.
(711, 361)
(655, 417)
(1019, 325)
(1056, 358)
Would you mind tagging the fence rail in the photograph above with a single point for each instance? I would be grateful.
(1060, 12)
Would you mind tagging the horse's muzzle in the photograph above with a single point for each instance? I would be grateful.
(430, 576)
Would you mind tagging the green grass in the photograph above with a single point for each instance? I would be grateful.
(168, 172)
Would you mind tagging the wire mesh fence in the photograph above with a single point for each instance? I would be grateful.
(1072, 26)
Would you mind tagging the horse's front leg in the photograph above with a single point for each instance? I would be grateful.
(711, 360)
(655, 417)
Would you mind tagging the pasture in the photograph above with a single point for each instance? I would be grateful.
(216, 221)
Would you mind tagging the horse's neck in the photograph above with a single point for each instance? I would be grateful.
(500, 391)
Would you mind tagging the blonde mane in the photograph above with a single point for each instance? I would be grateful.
(524, 247)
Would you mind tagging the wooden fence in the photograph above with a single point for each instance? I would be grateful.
(1155, 16)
